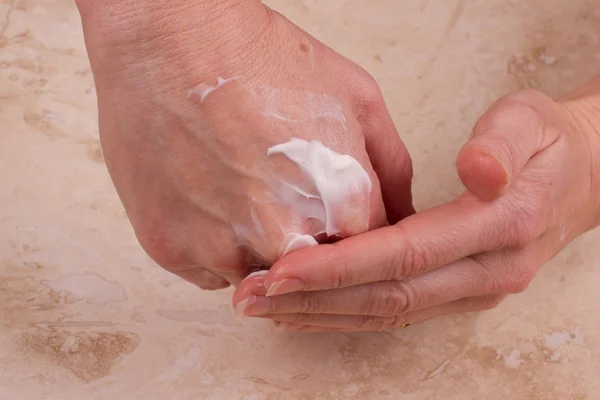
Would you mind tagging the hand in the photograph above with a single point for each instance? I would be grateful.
(194, 99)
(530, 168)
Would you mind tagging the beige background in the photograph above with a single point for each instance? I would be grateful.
(85, 315)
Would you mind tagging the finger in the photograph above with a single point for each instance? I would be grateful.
(251, 287)
(233, 265)
(464, 278)
(389, 157)
(361, 323)
(511, 132)
(170, 252)
(203, 278)
(418, 244)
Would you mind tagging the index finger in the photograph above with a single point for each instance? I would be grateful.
(419, 243)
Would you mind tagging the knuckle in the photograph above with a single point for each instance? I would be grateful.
(375, 323)
(523, 101)
(489, 302)
(203, 278)
(300, 319)
(309, 303)
(520, 281)
(524, 220)
(370, 97)
(485, 276)
(370, 90)
(392, 264)
(415, 260)
(161, 247)
(408, 258)
(521, 274)
(211, 285)
(518, 105)
(410, 295)
(340, 277)
(397, 299)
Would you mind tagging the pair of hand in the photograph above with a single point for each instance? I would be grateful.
(189, 155)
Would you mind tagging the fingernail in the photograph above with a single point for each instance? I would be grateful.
(285, 286)
(260, 306)
(240, 309)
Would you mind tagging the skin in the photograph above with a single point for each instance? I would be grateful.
(531, 172)
(193, 173)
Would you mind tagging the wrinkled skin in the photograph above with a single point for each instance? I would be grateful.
(193, 173)
(531, 173)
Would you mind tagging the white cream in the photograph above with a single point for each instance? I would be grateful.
(202, 91)
(262, 273)
(295, 241)
(325, 107)
(257, 224)
(339, 191)
(88, 286)
(297, 106)
(330, 194)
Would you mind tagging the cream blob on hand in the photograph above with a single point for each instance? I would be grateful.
(336, 192)
(202, 91)
(325, 194)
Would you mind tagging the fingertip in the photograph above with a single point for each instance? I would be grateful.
(482, 173)
(252, 285)
(300, 264)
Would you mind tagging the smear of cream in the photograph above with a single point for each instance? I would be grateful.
(295, 241)
(327, 107)
(190, 359)
(277, 117)
(297, 106)
(271, 100)
(257, 224)
(202, 91)
(555, 341)
(88, 286)
(339, 191)
(512, 359)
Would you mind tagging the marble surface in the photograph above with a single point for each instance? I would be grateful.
(85, 314)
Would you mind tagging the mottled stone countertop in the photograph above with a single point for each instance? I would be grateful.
(85, 315)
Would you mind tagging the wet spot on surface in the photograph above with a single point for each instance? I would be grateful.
(88, 286)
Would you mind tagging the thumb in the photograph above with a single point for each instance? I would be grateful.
(512, 131)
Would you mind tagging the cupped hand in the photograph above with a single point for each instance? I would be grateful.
(530, 168)
(233, 137)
